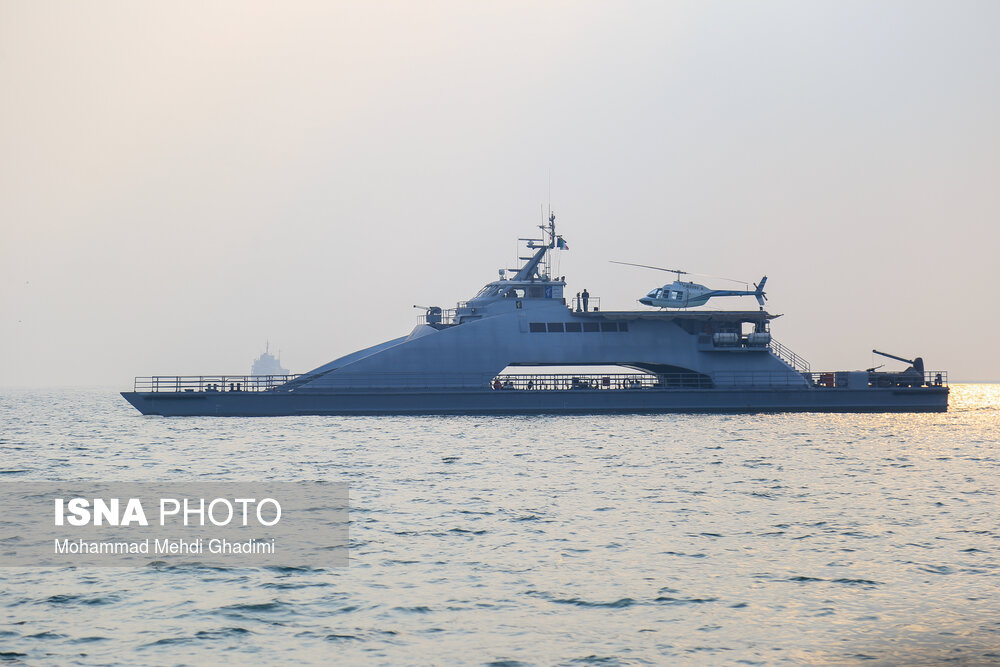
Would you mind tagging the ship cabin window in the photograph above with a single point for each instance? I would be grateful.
(576, 327)
(515, 293)
(536, 292)
(489, 290)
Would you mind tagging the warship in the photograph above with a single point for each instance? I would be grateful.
(268, 364)
(493, 354)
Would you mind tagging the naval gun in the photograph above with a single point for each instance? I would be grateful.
(432, 314)
(911, 377)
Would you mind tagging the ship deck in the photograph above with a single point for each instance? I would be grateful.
(689, 315)
(543, 401)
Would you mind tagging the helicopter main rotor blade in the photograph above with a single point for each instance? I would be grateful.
(732, 280)
(678, 271)
(647, 266)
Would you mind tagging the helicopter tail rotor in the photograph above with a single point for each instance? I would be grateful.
(759, 291)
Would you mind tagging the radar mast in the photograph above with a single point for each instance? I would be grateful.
(539, 265)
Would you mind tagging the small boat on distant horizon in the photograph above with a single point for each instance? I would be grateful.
(518, 347)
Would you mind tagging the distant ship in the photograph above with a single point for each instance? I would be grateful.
(267, 364)
(470, 360)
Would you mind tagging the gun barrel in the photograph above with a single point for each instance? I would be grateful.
(893, 356)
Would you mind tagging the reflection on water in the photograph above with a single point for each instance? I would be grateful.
(789, 538)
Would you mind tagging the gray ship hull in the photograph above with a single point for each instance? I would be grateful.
(493, 402)
(466, 361)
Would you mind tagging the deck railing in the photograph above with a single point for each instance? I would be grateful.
(841, 379)
(719, 380)
(191, 383)
(593, 304)
(445, 316)
(550, 382)
(600, 381)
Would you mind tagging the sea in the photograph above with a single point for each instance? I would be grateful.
(769, 539)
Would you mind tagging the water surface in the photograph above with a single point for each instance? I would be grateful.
(682, 539)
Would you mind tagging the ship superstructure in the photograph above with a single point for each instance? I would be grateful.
(267, 363)
(484, 356)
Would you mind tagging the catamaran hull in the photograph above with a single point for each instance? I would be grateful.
(502, 402)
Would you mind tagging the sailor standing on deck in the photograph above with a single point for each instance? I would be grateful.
(586, 298)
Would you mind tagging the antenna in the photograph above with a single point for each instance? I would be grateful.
(550, 190)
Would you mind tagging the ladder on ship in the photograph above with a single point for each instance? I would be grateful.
(789, 357)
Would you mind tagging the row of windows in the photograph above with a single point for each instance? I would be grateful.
(571, 327)
(668, 294)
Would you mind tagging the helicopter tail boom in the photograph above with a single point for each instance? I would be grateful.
(759, 291)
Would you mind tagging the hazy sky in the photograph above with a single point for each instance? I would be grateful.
(181, 181)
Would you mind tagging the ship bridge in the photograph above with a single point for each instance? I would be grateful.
(521, 289)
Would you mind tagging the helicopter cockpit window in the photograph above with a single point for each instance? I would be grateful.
(675, 295)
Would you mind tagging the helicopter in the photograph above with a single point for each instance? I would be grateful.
(680, 294)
